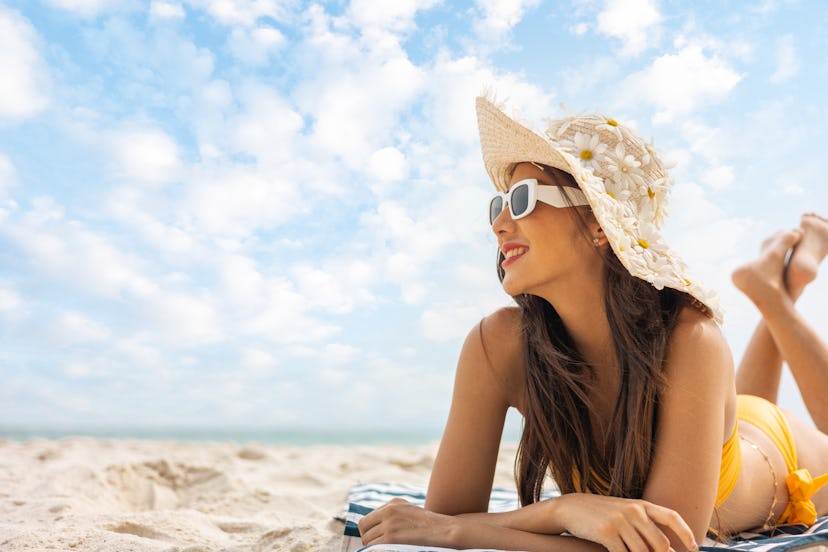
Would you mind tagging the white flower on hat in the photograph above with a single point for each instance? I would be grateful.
(616, 190)
(653, 203)
(588, 148)
(555, 128)
(625, 169)
(611, 125)
(649, 238)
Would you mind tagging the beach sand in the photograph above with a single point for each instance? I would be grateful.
(100, 494)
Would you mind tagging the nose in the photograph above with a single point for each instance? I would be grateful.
(503, 220)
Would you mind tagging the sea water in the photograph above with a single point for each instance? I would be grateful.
(286, 436)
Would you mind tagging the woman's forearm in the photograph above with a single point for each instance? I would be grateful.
(539, 517)
(471, 532)
(612, 521)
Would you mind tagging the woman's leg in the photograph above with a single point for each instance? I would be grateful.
(760, 369)
(797, 343)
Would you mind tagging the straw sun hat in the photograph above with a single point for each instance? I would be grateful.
(621, 176)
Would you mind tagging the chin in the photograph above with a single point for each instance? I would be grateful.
(511, 287)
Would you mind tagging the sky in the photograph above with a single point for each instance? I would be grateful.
(273, 213)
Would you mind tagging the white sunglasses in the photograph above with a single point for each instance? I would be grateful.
(523, 196)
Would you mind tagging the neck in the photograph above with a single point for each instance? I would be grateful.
(581, 308)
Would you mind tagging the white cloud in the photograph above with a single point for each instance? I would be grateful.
(235, 201)
(77, 259)
(392, 16)
(68, 251)
(680, 83)
(10, 301)
(258, 362)
(330, 290)
(242, 12)
(72, 328)
(634, 22)
(704, 234)
(268, 127)
(255, 46)
(133, 210)
(793, 188)
(242, 285)
(329, 354)
(136, 352)
(25, 79)
(145, 155)
(283, 317)
(719, 178)
(86, 8)
(579, 29)
(575, 82)
(358, 91)
(166, 10)
(452, 85)
(703, 139)
(182, 318)
(499, 17)
(445, 323)
(787, 60)
(387, 165)
(357, 108)
(8, 174)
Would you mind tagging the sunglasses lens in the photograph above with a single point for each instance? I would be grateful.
(519, 200)
(495, 207)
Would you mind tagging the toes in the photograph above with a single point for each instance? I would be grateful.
(808, 217)
(791, 238)
(782, 241)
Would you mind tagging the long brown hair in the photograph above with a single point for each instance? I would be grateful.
(557, 431)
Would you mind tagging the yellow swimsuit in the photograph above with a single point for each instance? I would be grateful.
(769, 419)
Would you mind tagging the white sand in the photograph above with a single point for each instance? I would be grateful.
(92, 494)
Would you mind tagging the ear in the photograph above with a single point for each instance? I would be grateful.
(599, 239)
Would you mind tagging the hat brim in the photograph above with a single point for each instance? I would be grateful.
(505, 143)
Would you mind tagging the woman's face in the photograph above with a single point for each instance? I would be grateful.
(546, 247)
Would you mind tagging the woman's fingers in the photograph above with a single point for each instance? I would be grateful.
(368, 526)
(672, 520)
(369, 520)
(633, 540)
(372, 527)
(654, 537)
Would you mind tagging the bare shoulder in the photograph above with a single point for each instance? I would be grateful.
(500, 336)
(698, 350)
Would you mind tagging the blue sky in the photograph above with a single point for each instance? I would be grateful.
(223, 213)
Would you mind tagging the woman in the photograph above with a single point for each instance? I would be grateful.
(616, 361)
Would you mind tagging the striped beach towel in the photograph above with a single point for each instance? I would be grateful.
(364, 497)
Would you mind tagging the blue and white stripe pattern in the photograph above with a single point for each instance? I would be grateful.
(365, 497)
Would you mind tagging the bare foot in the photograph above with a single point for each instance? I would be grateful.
(762, 279)
(808, 253)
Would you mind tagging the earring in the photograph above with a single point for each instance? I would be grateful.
(595, 242)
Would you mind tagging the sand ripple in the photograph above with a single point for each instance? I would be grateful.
(89, 494)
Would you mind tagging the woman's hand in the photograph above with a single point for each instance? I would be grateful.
(400, 522)
(621, 524)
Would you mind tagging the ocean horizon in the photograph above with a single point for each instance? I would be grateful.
(297, 437)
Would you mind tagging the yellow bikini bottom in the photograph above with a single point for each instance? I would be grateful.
(772, 422)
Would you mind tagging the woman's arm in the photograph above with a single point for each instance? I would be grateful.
(607, 520)
(485, 387)
(596, 523)
(399, 522)
(692, 418)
